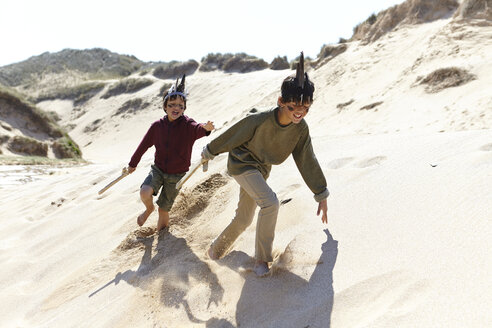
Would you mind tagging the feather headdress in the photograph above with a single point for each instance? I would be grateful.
(177, 89)
(298, 88)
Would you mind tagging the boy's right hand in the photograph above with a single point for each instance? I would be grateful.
(206, 155)
(209, 126)
(323, 208)
(131, 169)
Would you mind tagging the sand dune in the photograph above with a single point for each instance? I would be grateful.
(410, 175)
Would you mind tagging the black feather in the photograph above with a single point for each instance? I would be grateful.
(300, 71)
(181, 86)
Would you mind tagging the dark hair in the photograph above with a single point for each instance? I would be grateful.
(291, 91)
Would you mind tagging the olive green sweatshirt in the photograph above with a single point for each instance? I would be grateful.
(258, 141)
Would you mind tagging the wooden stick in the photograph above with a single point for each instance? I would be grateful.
(124, 173)
(188, 174)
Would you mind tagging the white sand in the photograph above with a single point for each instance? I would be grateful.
(408, 238)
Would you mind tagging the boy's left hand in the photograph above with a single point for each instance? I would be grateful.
(323, 206)
(209, 126)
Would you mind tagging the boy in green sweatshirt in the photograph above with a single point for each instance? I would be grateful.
(257, 142)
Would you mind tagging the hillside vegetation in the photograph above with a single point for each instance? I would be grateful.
(27, 130)
(94, 63)
(410, 12)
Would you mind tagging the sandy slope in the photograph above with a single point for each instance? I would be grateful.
(409, 212)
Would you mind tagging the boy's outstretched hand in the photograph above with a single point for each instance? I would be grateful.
(324, 208)
(131, 169)
(209, 126)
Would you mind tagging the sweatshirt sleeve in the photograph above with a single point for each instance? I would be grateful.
(309, 168)
(197, 129)
(235, 136)
(146, 143)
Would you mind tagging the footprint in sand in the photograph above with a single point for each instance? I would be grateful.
(32, 218)
(370, 161)
(75, 193)
(53, 205)
(487, 147)
(340, 162)
(58, 202)
(97, 180)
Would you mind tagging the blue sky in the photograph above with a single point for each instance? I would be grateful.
(179, 30)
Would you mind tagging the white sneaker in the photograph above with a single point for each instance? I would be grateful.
(261, 269)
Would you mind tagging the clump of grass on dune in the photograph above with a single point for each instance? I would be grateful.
(26, 109)
(175, 69)
(129, 85)
(79, 93)
(446, 78)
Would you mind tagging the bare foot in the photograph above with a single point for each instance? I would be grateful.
(144, 216)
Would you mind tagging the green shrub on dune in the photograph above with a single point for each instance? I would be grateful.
(16, 104)
(65, 147)
(13, 105)
(129, 85)
(79, 93)
(239, 63)
(175, 69)
(27, 146)
(279, 63)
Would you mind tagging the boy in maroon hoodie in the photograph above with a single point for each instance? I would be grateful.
(173, 137)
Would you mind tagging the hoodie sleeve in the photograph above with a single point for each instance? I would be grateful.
(308, 166)
(235, 136)
(146, 143)
(197, 129)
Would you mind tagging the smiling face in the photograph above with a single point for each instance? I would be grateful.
(292, 112)
(174, 108)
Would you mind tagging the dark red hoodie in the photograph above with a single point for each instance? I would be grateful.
(173, 143)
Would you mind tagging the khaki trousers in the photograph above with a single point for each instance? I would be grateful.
(254, 192)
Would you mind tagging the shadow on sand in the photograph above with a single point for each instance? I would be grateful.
(175, 278)
(285, 299)
(281, 300)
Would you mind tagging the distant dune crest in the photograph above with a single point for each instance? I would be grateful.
(98, 61)
(417, 12)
